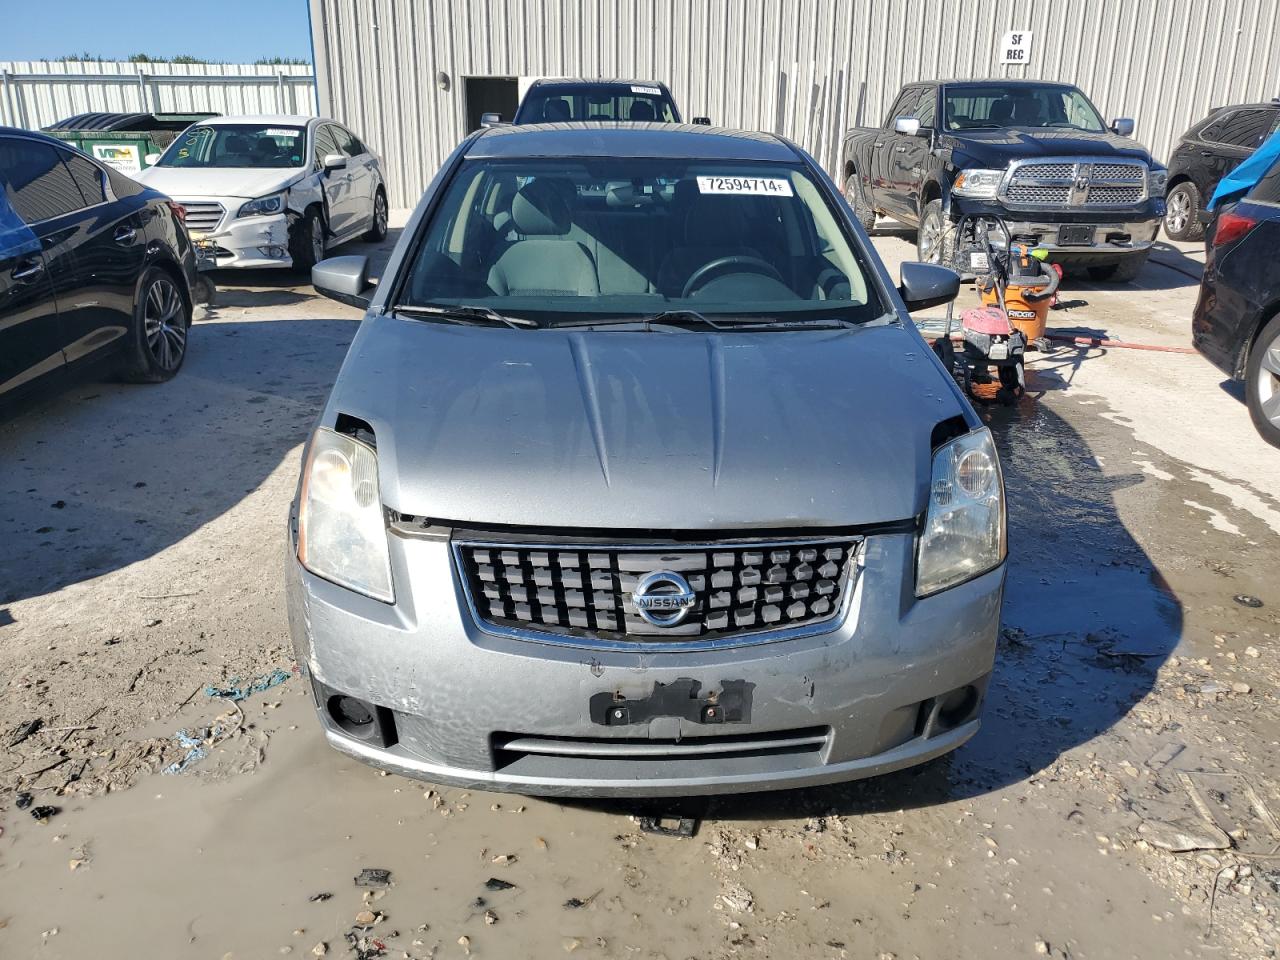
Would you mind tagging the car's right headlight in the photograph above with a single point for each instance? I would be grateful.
(964, 525)
(978, 184)
(342, 531)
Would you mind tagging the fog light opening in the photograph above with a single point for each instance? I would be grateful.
(958, 707)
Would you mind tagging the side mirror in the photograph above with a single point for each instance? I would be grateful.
(488, 120)
(907, 126)
(924, 285)
(702, 121)
(334, 161)
(345, 279)
(1122, 126)
(151, 159)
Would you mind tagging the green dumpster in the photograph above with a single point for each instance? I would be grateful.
(123, 140)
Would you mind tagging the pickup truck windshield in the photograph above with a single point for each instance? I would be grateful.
(993, 106)
(237, 145)
(566, 240)
(605, 103)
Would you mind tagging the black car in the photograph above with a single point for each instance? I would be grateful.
(1237, 318)
(1036, 154)
(96, 270)
(575, 101)
(1208, 152)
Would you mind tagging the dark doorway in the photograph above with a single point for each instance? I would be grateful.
(500, 95)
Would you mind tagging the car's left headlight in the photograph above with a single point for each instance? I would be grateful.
(1157, 177)
(263, 205)
(978, 184)
(964, 525)
(342, 531)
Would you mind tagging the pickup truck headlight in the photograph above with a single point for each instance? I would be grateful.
(342, 533)
(263, 205)
(978, 184)
(964, 526)
(1156, 179)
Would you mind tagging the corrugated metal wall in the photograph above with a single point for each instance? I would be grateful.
(803, 68)
(34, 94)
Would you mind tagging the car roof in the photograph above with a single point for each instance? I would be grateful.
(625, 139)
(37, 135)
(596, 82)
(995, 81)
(285, 119)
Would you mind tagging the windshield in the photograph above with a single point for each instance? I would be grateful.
(564, 240)
(560, 104)
(995, 107)
(237, 145)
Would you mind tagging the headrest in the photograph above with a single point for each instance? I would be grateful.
(1026, 108)
(1002, 110)
(237, 143)
(642, 110)
(556, 109)
(540, 208)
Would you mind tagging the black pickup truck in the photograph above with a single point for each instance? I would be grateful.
(1036, 154)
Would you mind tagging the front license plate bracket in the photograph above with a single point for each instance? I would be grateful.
(1076, 234)
(680, 698)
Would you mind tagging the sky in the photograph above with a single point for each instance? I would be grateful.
(233, 31)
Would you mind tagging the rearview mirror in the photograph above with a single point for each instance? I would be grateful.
(1122, 126)
(335, 161)
(702, 121)
(151, 159)
(345, 279)
(488, 120)
(924, 285)
(907, 126)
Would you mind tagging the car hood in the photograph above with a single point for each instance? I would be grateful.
(659, 431)
(247, 182)
(995, 148)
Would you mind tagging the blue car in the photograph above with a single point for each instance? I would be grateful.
(96, 270)
(1237, 318)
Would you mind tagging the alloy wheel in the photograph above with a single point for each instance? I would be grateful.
(164, 323)
(380, 213)
(1268, 385)
(930, 240)
(1178, 212)
(317, 241)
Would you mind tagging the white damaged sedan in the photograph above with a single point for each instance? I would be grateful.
(272, 191)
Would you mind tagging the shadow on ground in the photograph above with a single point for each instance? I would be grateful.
(106, 474)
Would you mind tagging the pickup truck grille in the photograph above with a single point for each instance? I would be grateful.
(203, 216)
(586, 591)
(1075, 183)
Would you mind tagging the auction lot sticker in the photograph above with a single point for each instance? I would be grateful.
(753, 186)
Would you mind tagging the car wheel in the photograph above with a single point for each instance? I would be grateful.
(934, 241)
(161, 321)
(1120, 272)
(306, 242)
(1262, 382)
(857, 202)
(378, 232)
(1182, 213)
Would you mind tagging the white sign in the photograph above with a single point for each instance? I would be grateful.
(652, 91)
(123, 156)
(1015, 47)
(754, 186)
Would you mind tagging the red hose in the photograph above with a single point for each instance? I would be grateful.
(1098, 342)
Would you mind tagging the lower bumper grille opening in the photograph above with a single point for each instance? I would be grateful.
(805, 745)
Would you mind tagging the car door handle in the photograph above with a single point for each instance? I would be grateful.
(899, 149)
(28, 270)
(124, 235)
(1206, 153)
(878, 143)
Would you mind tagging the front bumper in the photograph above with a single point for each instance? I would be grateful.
(248, 242)
(1116, 233)
(898, 682)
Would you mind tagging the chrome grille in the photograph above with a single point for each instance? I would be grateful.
(585, 591)
(203, 216)
(1028, 194)
(1075, 182)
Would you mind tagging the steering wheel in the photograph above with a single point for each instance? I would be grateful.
(750, 265)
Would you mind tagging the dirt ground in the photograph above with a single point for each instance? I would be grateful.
(1133, 708)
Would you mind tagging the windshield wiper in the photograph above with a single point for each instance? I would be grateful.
(467, 312)
(690, 318)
